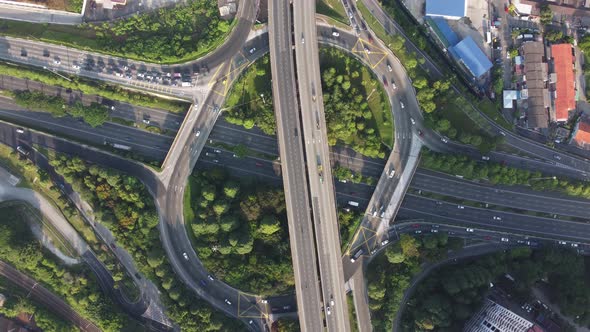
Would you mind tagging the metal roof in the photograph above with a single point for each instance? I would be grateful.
(446, 8)
(472, 56)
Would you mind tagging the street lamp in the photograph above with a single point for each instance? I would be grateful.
(56, 73)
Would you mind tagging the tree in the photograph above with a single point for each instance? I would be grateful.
(546, 14)
(269, 225)
(409, 246)
(231, 189)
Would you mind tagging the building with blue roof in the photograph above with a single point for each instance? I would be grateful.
(443, 31)
(449, 9)
(468, 53)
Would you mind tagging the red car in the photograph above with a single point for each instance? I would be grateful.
(384, 81)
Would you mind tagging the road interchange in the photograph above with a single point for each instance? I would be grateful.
(181, 184)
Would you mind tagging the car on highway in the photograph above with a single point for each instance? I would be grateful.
(328, 311)
(56, 61)
(391, 174)
(385, 81)
(75, 66)
(418, 232)
(502, 133)
(434, 230)
(370, 36)
(264, 301)
(217, 151)
(356, 255)
(485, 158)
(558, 157)
(444, 139)
(497, 218)
(23, 150)
(252, 50)
(185, 255)
(216, 161)
(227, 302)
(401, 104)
(389, 69)
(146, 121)
(20, 130)
(393, 86)
(302, 39)
(574, 245)
(461, 207)
(335, 34)
(504, 239)
(367, 50)
(420, 133)
(469, 230)
(384, 242)
(562, 243)
(210, 277)
(198, 133)
(413, 121)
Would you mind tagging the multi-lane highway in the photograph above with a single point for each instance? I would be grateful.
(319, 171)
(290, 134)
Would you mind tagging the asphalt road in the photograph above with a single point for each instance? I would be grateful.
(317, 155)
(70, 60)
(42, 295)
(290, 134)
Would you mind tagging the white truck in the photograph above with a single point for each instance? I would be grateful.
(353, 203)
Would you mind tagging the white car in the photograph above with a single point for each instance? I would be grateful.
(20, 130)
(401, 104)
(574, 245)
(485, 158)
(461, 207)
(252, 50)
(444, 140)
(227, 302)
(146, 121)
(198, 133)
(335, 34)
(389, 68)
(497, 218)
(434, 230)
(56, 61)
(75, 66)
(328, 311)
(504, 239)
(562, 242)
(384, 242)
(185, 255)
(264, 301)
(391, 174)
(469, 230)
(413, 121)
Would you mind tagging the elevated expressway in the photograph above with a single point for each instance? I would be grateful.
(169, 202)
(319, 172)
(289, 132)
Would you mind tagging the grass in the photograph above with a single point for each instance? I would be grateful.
(333, 9)
(121, 121)
(381, 109)
(352, 312)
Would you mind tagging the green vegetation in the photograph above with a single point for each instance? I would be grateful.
(357, 110)
(546, 14)
(354, 327)
(584, 45)
(76, 285)
(123, 204)
(93, 114)
(348, 220)
(167, 35)
(287, 325)
(347, 175)
(496, 173)
(498, 79)
(240, 231)
(249, 102)
(86, 86)
(447, 298)
(557, 36)
(389, 275)
(333, 9)
(17, 303)
(74, 6)
(364, 124)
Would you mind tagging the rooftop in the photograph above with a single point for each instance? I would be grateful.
(472, 56)
(563, 62)
(454, 9)
(538, 99)
(582, 136)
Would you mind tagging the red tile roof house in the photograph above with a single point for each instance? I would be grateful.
(565, 89)
(582, 136)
